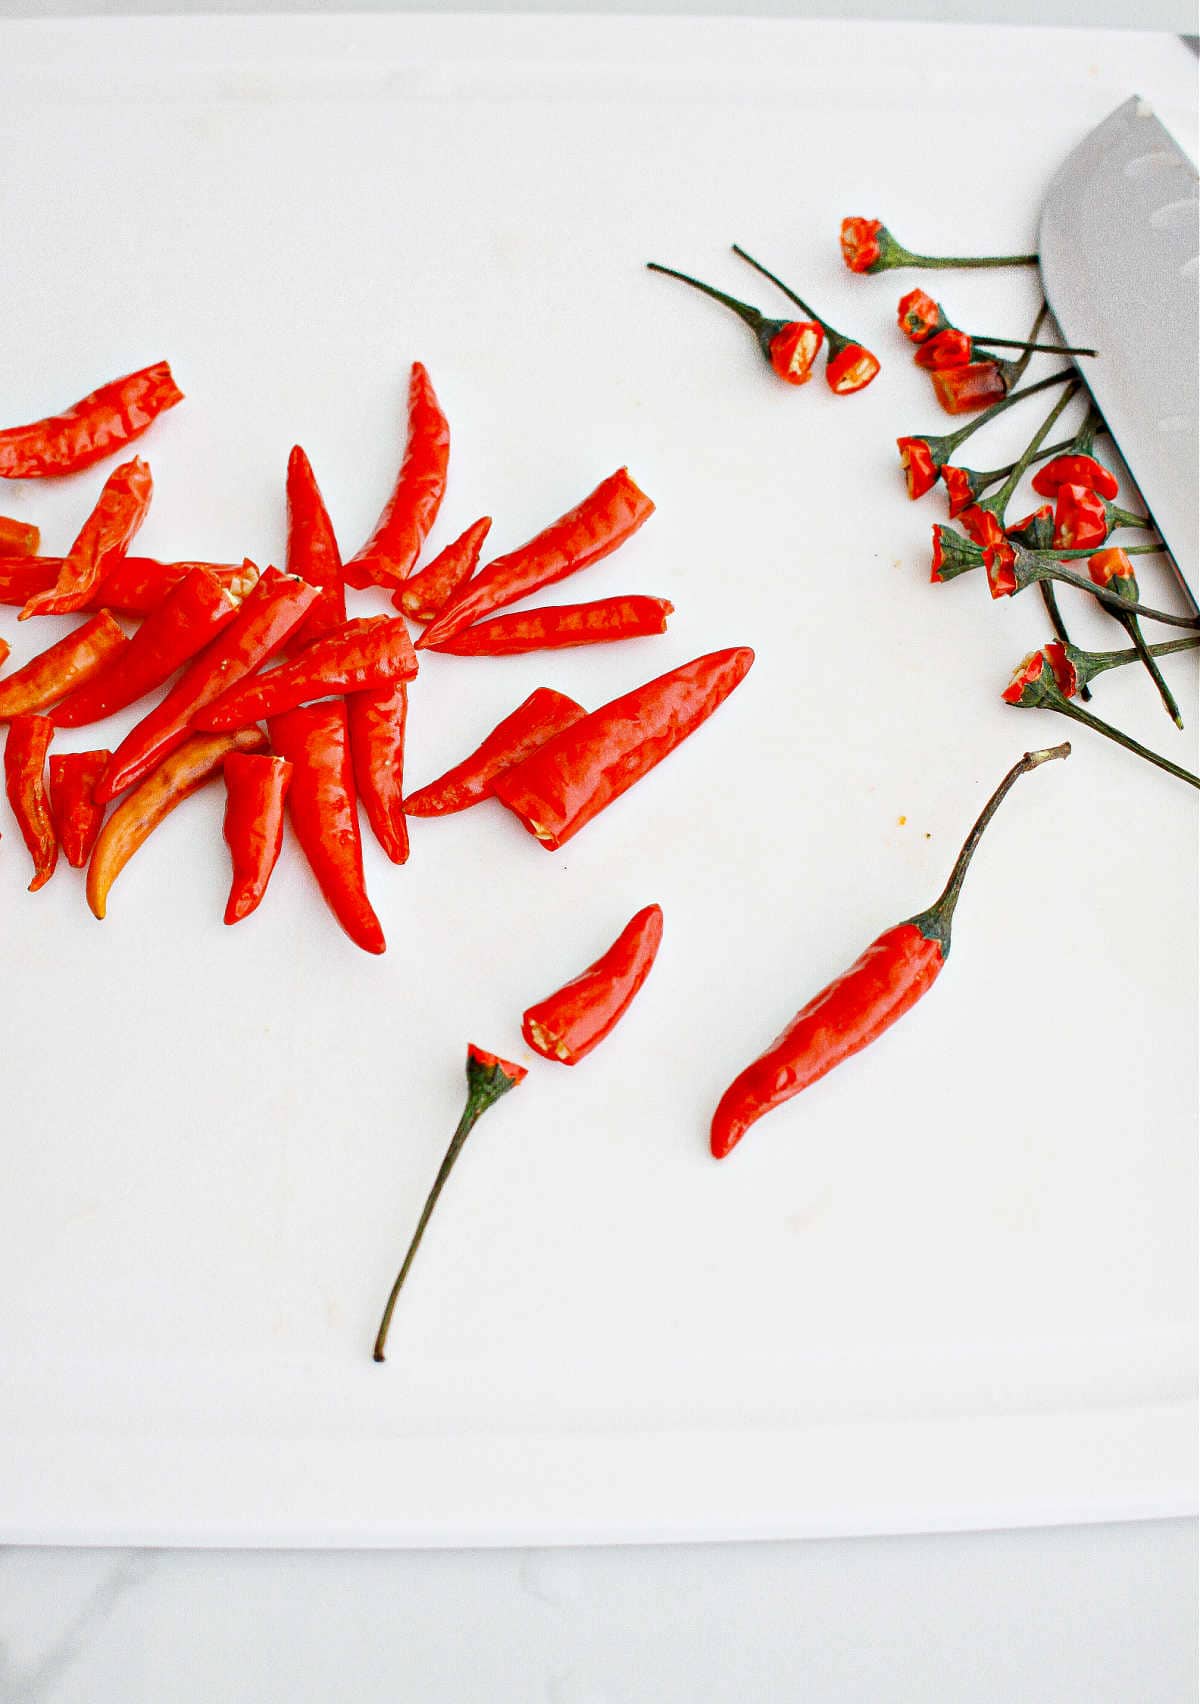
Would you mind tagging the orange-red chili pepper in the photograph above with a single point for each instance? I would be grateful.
(425, 595)
(5, 651)
(376, 721)
(103, 540)
(133, 586)
(1034, 686)
(554, 627)
(568, 1024)
(323, 808)
(790, 346)
(312, 551)
(542, 715)
(868, 246)
(962, 390)
(1083, 518)
(18, 538)
(102, 422)
(889, 978)
(60, 668)
(585, 534)
(25, 783)
(390, 554)
(575, 775)
(849, 367)
(177, 777)
(73, 804)
(256, 786)
(923, 456)
(361, 656)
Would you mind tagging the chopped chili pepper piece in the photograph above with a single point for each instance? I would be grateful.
(267, 618)
(1030, 567)
(323, 807)
(949, 348)
(1075, 470)
(312, 552)
(1083, 519)
(1072, 668)
(568, 1024)
(18, 538)
(1033, 687)
(557, 626)
(962, 390)
(920, 317)
(60, 668)
(5, 652)
(889, 978)
(575, 775)
(376, 722)
(77, 815)
(848, 366)
(425, 595)
(186, 620)
(255, 788)
(134, 586)
(363, 655)
(101, 423)
(488, 1077)
(585, 534)
(868, 246)
(790, 346)
(923, 456)
(389, 555)
(103, 540)
(543, 714)
(25, 783)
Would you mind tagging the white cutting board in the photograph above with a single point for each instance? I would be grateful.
(953, 1285)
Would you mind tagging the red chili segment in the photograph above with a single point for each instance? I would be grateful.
(556, 627)
(963, 390)
(73, 804)
(256, 786)
(1074, 470)
(25, 783)
(103, 539)
(568, 1024)
(312, 551)
(389, 555)
(60, 668)
(426, 594)
(365, 654)
(376, 721)
(18, 538)
(543, 714)
(133, 586)
(105, 421)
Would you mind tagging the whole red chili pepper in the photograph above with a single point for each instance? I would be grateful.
(323, 807)
(363, 655)
(585, 534)
(60, 668)
(848, 366)
(1083, 519)
(186, 620)
(423, 596)
(389, 555)
(5, 651)
(77, 815)
(1114, 570)
(176, 778)
(267, 618)
(18, 538)
(1034, 687)
(568, 1024)
(255, 788)
(789, 346)
(25, 783)
(376, 722)
(103, 540)
(91, 429)
(557, 626)
(488, 1077)
(868, 246)
(575, 775)
(890, 977)
(312, 551)
(542, 715)
(133, 586)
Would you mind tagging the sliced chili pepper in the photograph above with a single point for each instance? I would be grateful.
(963, 390)
(312, 551)
(543, 714)
(585, 534)
(25, 783)
(376, 721)
(790, 346)
(920, 317)
(868, 246)
(60, 668)
(1029, 567)
(389, 555)
(1033, 687)
(88, 431)
(271, 613)
(133, 586)
(73, 804)
(361, 656)
(186, 620)
(186, 768)
(18, 538)
(557, 626)
(848, 366)
(1083, 519)
(575, 775)
(255, 788)
(1077, 465)
(966, 485)
(103, 540)
(890, 977)
(568, 1024)
(1073, 668)
(488, 1077)
(923, 456)
(425, 595)
(1114, 570)
(950, 347)
(323, 807)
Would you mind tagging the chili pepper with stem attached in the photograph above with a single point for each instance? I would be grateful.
(954, 348)
(101, 423)
(73, 804)
(1073, 668)
(849, 367)
(255, 789)
(424, 596)
(1083, 519)
(1076, 465)
(25, 783)
(488, 1077)
(103, 539)
(312, 551)
(133, 586)
(569, 1023)
(966, 485)
(1027, 567)
(376, 722)
(868, 246)
(953, 554)
(389, 555)
(1114, 570)
(922, 455)
(62, 667)
(924, 321)
(363, 655)
(18, 538)
(555, 627)
(853, 1011)
(789, 346)
(1033, 687)
(981, 383)
(542, 715)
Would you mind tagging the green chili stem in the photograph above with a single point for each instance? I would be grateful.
(1066, 708)
(1124, 518)
(937, 262)
(789, 293)
(1033, 348)
(988, 414)
(997, 473)
(1003, 497)
(1050, 600)
(1043, 570)
(1134, 629)
(753, 318)
(1097, 662)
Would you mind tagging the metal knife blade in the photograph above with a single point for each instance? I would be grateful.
(1118, 249)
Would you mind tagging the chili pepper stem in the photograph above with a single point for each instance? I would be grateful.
(1133, 627)
(1110, 600)
(932, 263)
(1066, 708)
(1099, 661)
(956, 439)
(780, 285)
(1020, 467)
(1050, 599)
(1034, 348)
(743, 310)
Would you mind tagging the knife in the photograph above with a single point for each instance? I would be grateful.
(1118, 249)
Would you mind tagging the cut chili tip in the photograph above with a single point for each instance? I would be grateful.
(568, 1024)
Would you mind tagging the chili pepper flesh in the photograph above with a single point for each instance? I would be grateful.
(542, 715)
(364, 655)
(103, 539)
(376, 722)
(62, 667)
(555, 627)
(312, 551)
(388, 556)
(569, 1023)
(76, 811)
(91, 429)
(423, 596)
(256, 786)
(25, 752)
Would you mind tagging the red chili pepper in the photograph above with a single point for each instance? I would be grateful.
(425, 595)
(103, 540)
(923, 456)
(889, 978)
(5, 651)
(920, 317)
(18, 538)
(59, 669)
(848, 366)
(363, 655)
(575, 775)
(1083, 519)
(585, 534)
(949, 348)
(323, 807)
(966, 485)
(1031, 567)
(868, 246)
(1072, 668)
(1034, 687)
(389, 555)
(1035, 530)
(376, 722)
(255, 788)
(952, 555)
(25, 783)
(89, 430)
(488, 1077)
(133, 586)
(264, 622)
(568, 1024)
(918, 458)
(1075, 470)
(1114, 570)
(176, 778)
(543, 714)
(789, 346)
(312, 552)
(962, 390)
(557, 626)
(77, 815)
(186, 620)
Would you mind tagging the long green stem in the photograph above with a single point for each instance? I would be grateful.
(1020, 467)
(1066, 708)
(988, 414)
(996, 474)
(1034, 348)
(937, 262)
(753, 318)
(1133, 628)
(1097, 662)
(780, 285)
(1044, 570)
